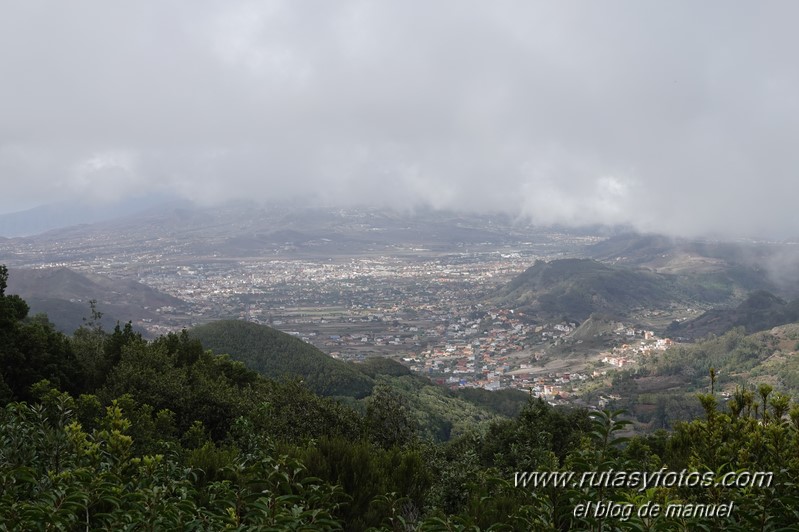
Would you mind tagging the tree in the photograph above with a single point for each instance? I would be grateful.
(31, 350)
(3, 279)
(388, 418)
(12, 308)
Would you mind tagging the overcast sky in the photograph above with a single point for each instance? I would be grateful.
(679, 117)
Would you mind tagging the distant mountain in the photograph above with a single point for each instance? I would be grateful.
(633, 248)
(652, 249)
(65, 214)
(760, 311)
(276, 354)
(64, 295)
(577, 288)
(737, 268)
(252, 230)
(180, 230)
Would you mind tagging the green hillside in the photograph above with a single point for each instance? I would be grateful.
(577, 288)
(276, 354)
(663, 390)
(507, 402)
(437, 412)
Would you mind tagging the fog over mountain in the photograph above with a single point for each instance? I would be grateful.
(673, 117)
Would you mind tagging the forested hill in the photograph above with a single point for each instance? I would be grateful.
(276, 354)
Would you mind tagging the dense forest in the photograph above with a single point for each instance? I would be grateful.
(254, 343)
(104, 430)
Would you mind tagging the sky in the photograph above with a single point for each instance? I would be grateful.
(675, 117)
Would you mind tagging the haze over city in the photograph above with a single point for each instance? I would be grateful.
(670, 117)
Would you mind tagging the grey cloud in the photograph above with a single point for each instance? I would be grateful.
(676, 117)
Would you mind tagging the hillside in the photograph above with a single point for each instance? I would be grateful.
(64, 295)
(595, 331)
(663, 389)
(734, 268)
(577, 288)
(63, 283)
(438, 412)
(276, 354)
(760, 311)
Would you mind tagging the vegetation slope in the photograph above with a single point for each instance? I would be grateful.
(662, 390)
(276, 354)
(106, 430)
(437, 412)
